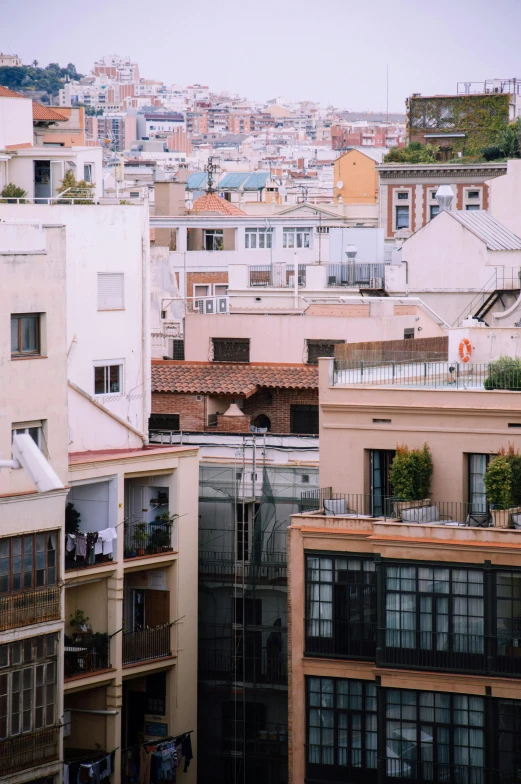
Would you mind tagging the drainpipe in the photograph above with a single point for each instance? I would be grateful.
(406, 277)
(295, 280)
(146, 362)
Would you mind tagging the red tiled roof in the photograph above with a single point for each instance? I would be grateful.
(41, 112)
(222, 378)
(5, 92)
(212, 202)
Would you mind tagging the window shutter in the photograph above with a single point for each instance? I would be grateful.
(110, 290)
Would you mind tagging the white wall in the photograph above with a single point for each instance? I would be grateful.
(16, 121)
(487, 344)
(505, 197)
(368, 242)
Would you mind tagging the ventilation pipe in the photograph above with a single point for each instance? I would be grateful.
(444, 197)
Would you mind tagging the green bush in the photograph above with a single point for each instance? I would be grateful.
(413, 153)
(12, 191)
(504, 373)
(492, 153)
(81, 192)
(411, 473)
(503, 479)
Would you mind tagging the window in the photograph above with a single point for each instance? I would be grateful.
(33, 429)
(341, 725)
(220, 290)
(508, 613)
(472, 206)
(27, 562)
(111, 291)
(402, 218)
(408, 333)
(87, 172)
(432, 736)
(304, 419)
(213, 239)
(25, 334)
(231, 349)
(178, 349)
(296, 238)
(28, 670)
(258, 239)
(340, 606)
(435, 609)
(202, 290)
(108, 379)
(321, 348)
(477, 492)
(163, 422)
(402, 195)
(473, 194)
(434, 210)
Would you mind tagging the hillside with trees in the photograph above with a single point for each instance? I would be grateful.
(41, 84)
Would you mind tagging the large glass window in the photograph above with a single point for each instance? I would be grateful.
(296, 238)
(25, 334)
(340, 606)
(258, 239)
(477, 492)
(434, 609)
(342, 723)
(28, 671)
(27, 562)
(435, 737)
(402, 218)
(508, 613)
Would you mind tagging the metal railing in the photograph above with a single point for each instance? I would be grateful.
(356, 275)
(269, 568)
(276, 276)
(38, 748)
(147, 539)
(350, 639)
(36, 606)
(85, 654)
(350, 504)
(263, 669)
(430, 375)
(432, 650)
(502, 279)
(145, 644)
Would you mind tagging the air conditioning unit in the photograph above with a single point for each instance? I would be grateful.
(199, 305)
(209, 306)
(376, 283)
(222, 305)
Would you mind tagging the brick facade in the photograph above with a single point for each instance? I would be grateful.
(193, 278)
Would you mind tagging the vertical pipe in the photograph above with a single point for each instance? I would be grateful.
(295, 279)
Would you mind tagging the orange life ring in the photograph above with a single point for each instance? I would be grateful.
(465, 350)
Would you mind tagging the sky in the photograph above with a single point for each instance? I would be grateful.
(331, 51)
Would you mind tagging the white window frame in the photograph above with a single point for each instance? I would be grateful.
(90, 168)
(256, 235)
(208, 293)
(404, 202)
(293, 235)
(108, 305)
(471, 201)
(24, 428)
(108, 363)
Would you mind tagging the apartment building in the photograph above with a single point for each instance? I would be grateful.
(403, 618)
(32, 357)
(128, 558)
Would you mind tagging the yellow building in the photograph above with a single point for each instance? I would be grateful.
(356, 180)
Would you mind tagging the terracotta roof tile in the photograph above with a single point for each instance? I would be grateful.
(5, 92)
(41, 112)
(222, 378)
(212, 202)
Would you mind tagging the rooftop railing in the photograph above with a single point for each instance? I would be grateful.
(427, 375)
(276, 276)
(356, 275)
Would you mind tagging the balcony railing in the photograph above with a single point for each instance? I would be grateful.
(146, 644)
(349, 639)
(433, 650)
(276, 276)
(147, 539)
(22, 609)
(270, 568)
(85, 654)
(356, 275)
(425, 375)
(38, 748)
(216, 663)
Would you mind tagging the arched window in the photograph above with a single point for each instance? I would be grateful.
(262, 421)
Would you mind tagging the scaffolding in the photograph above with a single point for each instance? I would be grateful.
(245, 509)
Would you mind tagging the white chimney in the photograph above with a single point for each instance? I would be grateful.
(444, 197)
(351, 252)
(233, 411)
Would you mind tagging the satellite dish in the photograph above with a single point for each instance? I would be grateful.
(340, 185)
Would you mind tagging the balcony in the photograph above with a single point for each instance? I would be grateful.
(216, 663)
(276, 276)
(356, 275)
(38, 748)
(146, 644)
(346, 639)
(223, 566)
(147, 539)
(86, 654)
(37, 606)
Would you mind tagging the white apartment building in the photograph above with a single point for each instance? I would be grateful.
(33, 400)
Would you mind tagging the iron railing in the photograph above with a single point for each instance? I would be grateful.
(38, 748)
(85, 654)
(427, 375)
(276, 276)
(350, 504)
(145, 644)
(147, 539)
(349, 639)
(355, 275)
(263, 669)
(432, 650)
(36, 606)
(270, 568)
(502, 279)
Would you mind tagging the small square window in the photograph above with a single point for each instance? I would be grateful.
(472, 194)
(403, 195)
(434, 210)
(33, 429)
(107, 379)
(25, 334)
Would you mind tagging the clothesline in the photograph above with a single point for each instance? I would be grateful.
(156, 742)
(93, 753)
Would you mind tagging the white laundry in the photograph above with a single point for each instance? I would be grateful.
(106, 537)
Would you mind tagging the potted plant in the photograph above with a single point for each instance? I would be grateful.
(161, 500)
(140, 537)
(11, 193)
(503, 485)
(410, 475)
(80, 623)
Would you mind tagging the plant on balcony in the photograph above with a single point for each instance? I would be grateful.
(79, 191)
(80, 622)
(503, 485)
(411, 473)
(140, 537)
(161, 500)
(72, 519)
(11, 192)
(504, 373)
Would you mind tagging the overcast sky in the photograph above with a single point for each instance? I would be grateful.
(332, 51)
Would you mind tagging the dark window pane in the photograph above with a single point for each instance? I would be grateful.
(99, 381)
(114, 378)
(15, 345)
(30, 334)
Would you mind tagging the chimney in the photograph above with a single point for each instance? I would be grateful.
(444, 197)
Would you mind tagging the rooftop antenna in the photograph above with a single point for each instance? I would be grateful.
(210, 169)
(387, 96)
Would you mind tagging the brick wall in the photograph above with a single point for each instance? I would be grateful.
(232, 424)
(192, 412)
(279, 409)
(204, 277)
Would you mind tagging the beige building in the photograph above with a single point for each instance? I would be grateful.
(404, 617)
(32, 357)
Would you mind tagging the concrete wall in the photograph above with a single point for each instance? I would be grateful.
(505, 197)
(358, 174)
(368, 242)
(16, 121)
